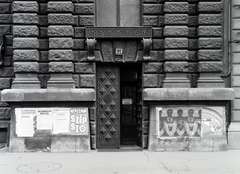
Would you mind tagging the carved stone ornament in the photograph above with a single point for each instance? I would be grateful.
(146, 48)
(91, 48)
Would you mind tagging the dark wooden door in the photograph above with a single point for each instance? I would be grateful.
(108, 112)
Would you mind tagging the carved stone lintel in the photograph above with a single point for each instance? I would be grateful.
(146, 48)
(91, 48)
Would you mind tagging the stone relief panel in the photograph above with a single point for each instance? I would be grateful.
(190, 121)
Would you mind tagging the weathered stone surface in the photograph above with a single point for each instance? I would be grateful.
(131, 51)
(210, 6)
(60, 19)
(175, 31)
(25, 30)
(79, 32)
(85, 68)
(150, 80)
(176, 7)
(150, 20)
(6, 19)
(60, 55)
(55, 6)
(42, 8)
(158, 44)
(192, 32)
(60, 30)
(61, 67)
(25, 55)
(86, 20)
(210, 31)
(5, 113)
(210, 19)
(152, 9)
(204, 54)
(5, 29)
(5, 8)
(60, 43)
(152, 68)
(176, 80)
(43, 32)
(43, 20)
(157, 32)
(25, 18)
(43, 68)
(25, 43)
(210, 66)
(176, 43)
(176, 19)
(6, 72)
(176, 66)
(87, 81)
(193, 21)
(192, 44)
(107, 51)
(210, 42)
(84, 8)
(5, 83)
(26, 67)
(176, 55)
(25, 6)
(192, 8)
(79, 44)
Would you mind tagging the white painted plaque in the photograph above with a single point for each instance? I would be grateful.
(44, 119)
(61, 120)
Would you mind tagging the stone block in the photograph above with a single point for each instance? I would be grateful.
(236, 35)
(86, 20)
(158, 44)
(25, 6)
(210, 42)
(150, 80)
(5, 8)
(5, 29)
(84, 9)
(235, 69)
(176, 66)
(92, 114)
(16, 144)
(43, 20)
(152, 67)
(60, 43)
(85, 68)
(154, 9)
(63, 144)
(25, 31)
(204, 54)
(6, 19)
(43, 44)
(93, 142)
(192, 44)
(43, 55)
(5, 83)
(5, 113)
(57, 55)
(87, 81)
(161, 21)
(42, 8)
(60, 19)
(83, 144)
(25, 43)
(176, 19)
(193, 21)
(192, 32)
(43, 68)
(79, 44)
(192, 9)
(25, 18)
(235, 47)
(22, 55)
(157, 32)
(55, 6)
(60, 30)
(176, 55)
(43, 32)
(79, 32)
(21, 67)
(154, 1)
(210, 66)
(176, 43)
(107, 51)
(150, 20)
(93, 128)
(173, 81)
(7, 61)
(57, 67)
(6, 72)
(176, 7)
(175, 31)
(236, 81)
(210, 7)
(210, 31)
(210, 19)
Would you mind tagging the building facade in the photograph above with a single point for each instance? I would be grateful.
(102, 74)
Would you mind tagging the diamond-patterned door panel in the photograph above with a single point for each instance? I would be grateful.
(108, 112)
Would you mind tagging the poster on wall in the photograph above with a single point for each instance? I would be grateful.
(25, 122)
(44, 119)
(79, 124)
(61, 120)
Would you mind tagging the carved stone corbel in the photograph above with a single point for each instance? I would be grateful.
(91, 48)
(146, 48)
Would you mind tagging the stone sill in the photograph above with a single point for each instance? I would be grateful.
(38, 95)
(186, 94)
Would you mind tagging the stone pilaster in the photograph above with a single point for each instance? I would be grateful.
(176, 44)
(25, 44)
(60, 32)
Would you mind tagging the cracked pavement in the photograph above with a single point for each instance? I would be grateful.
(137, 162)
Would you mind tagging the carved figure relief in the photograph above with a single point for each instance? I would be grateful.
(174, 122)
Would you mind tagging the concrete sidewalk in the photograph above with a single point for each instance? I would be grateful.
(138, 162)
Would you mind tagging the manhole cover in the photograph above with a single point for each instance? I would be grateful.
(39, 167)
